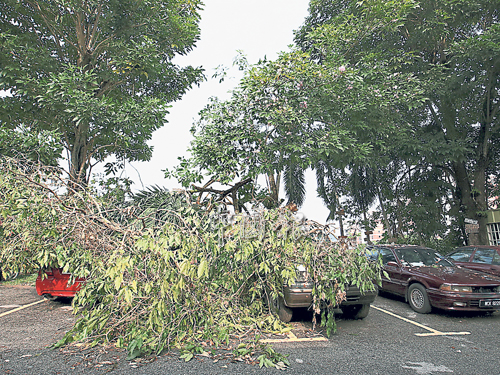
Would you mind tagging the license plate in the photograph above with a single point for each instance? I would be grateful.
(491, 303)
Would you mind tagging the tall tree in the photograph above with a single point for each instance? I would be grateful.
(273, 125)
(451, 48)
(100, 73)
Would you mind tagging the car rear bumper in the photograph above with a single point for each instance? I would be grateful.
(354, 296)
(300, 295)
(55, 283)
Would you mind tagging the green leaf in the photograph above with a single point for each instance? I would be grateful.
(187, 356)
(202, 268)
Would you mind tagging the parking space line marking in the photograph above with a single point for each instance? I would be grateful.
(433, 332)
(293, 338)
(21, 307)
(442, 334)
(306, 339)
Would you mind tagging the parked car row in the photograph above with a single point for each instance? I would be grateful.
(468, 279)
(426, 279)
(479, 258)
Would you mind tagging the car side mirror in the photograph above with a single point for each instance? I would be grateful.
(392, 264)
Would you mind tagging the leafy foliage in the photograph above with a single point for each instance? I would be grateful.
(435, 65)
(331, 103)
(40, 146)
(98, 73)
(280, 119)
(163, 272)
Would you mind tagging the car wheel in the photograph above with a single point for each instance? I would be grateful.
(277, 306)
(418, 299)
(50, 297)
(284, 313)
(356, 311)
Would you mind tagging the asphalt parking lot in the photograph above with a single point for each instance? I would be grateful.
(391, 340)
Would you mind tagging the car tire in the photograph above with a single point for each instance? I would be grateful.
(418, 299)
(48, 296)
(277, 306)
(284, 313)
(356, 311)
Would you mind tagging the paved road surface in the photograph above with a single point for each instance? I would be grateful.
(380, 344)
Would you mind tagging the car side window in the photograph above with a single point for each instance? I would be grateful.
(484, 256)
(387, 256)
(372, 254)
(462, 255)
(496, 259)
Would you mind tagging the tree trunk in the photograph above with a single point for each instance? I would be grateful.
(79, 158)
(367, 232)
(78, 166)
(273, 186)
(384, 213)
(236, 205)
(398, 232)
(472, 200)
(481, 199)
(471, 194)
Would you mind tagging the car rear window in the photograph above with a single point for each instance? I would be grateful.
(484, 256)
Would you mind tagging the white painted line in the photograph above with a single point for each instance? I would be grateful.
(21, 307)
(293, 338)
(306, 339)
(432, 331)
(442, 334)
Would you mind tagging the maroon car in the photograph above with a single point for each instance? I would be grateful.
(479, 258)
(426, 280)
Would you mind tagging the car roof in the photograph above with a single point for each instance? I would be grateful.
(478, 247)
(399, 246)
(497, 248)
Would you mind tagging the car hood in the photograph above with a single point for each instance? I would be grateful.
(456, 275)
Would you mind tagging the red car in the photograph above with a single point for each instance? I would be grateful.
(426, 280)
(479, 258)
(55, 284)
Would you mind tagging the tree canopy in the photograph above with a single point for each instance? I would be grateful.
(97, 74)
(442, 152)
(390, 102)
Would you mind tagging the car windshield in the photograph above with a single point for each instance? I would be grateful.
(421, 258)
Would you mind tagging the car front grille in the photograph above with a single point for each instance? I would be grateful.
(485, 289)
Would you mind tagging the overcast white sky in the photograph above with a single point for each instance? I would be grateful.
(256, 27)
